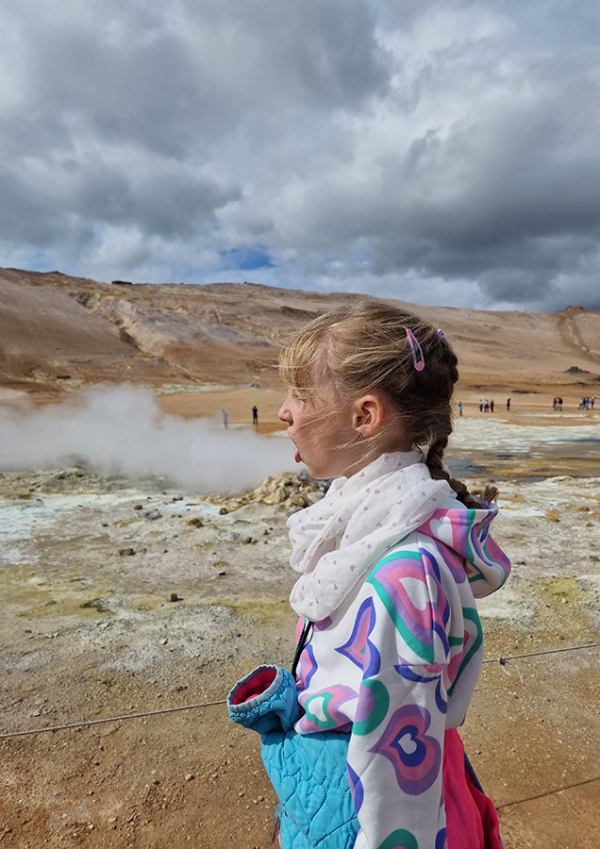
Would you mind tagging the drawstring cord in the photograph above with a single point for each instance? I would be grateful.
(302, 641)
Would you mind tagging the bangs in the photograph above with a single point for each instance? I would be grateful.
(301, 362)
(296, 368)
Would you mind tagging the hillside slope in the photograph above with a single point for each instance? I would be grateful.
(55, 329)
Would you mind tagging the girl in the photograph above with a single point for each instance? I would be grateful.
(361, 743)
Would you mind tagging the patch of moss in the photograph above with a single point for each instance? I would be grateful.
(95, 604)
(263, 611)
(148, 603)
(557, 589)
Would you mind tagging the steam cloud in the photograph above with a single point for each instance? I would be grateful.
(122, 431)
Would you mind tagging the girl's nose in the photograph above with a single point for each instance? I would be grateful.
(284, 414)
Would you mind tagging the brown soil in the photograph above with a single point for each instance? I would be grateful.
(88, 633)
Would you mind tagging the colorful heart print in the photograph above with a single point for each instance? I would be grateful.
(415, 756)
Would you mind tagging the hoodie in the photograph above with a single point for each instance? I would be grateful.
(390, 564)
(395, 666)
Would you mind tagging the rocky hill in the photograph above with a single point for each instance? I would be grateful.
(57, 330)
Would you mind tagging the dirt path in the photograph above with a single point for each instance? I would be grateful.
(572, 336)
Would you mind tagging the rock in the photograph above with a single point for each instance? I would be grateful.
(223, 511)
(152, 515)
(296, 501)
(126, 552)
(196, 522)
(174, 597)
(189, 777)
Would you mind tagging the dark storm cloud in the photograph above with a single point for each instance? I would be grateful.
(501, 186)
(440, 150)
(118, 106)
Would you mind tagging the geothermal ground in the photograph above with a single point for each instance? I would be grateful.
(124, 597)
(126, 594)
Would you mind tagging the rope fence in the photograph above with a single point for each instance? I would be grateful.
(86, 723)
(503, 661)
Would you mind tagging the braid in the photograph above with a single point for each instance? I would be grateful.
(435, 463)
(435, 459)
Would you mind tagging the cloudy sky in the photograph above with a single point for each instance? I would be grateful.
(440, 152)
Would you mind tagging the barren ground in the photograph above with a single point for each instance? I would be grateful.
(88, 566)
(88, 633)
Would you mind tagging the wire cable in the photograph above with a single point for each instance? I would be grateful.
(86, 723)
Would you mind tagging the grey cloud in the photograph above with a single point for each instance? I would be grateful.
(454, 140)
(508, 195)
(154, 86)
(167, 204)
(104, 84)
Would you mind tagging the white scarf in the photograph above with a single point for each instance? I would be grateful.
(338, 539)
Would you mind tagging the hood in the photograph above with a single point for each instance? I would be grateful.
(467, 532)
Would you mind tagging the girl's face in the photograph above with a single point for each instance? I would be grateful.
(321, 428)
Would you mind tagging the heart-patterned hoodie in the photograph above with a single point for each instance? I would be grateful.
(395, 661)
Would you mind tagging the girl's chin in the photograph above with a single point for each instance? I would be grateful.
(297, 456)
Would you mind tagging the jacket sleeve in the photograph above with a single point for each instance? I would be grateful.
(396, 746)
(308, 773)
(264, 700)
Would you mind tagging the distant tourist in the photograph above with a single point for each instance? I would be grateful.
(225, 419)
(255, 415)
(459, 408)
(492, 406)
(508, 405)
(387, 661)
(481, 405)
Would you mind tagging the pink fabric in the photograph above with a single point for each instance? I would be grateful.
(260, 681)
(471, 819)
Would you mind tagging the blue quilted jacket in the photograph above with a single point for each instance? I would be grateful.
(307, 771)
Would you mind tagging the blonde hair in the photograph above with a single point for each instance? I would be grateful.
(365, 348)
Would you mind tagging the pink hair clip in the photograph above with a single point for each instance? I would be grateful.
(416, 350)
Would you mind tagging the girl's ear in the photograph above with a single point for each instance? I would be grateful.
(367, 415)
